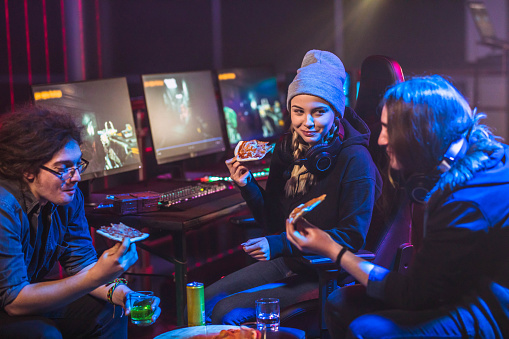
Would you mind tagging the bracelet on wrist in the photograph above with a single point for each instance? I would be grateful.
(340, 255)
(115, 283)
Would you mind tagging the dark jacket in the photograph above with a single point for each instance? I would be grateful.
(352, 186)
(463, 261)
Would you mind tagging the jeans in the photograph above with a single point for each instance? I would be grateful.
(350, 313)
(231, 300)
(86, 317)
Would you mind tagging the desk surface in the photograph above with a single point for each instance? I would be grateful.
(179, 217)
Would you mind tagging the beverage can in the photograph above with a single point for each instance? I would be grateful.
(195, 304)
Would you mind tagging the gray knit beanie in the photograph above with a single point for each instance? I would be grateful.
(322, 74)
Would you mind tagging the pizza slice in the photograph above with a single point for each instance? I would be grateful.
(120, 231)
(302, 209)
(234, 333)
(252, 150)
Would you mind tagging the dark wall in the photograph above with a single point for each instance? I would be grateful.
(132, 37)
(420, 34)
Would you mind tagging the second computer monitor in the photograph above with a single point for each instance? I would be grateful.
(251, 104)
(184, 115)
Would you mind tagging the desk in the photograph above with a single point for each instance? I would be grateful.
(187, 332)
(177, 220)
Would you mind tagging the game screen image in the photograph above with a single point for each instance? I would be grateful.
(251, 104)
(184, 115)
(104, 109)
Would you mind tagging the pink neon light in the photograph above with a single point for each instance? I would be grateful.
(27, 35)
(82, 40)
(98, 33)
(9, 52)
(46, 49)
(64, 41)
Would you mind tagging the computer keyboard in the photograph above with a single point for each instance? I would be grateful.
(192, 191)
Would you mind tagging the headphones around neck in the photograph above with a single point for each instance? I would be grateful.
(318, 159)
(419, 185)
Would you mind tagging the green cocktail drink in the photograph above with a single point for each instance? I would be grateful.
(142, 314)
(140, 305)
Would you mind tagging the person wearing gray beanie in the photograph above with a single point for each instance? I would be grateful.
(323, 75)
(320, 125)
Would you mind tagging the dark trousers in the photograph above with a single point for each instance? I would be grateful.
(87, 317)
(231, 300)
(350, 313)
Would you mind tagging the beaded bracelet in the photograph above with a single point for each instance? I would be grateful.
(340, 255)
(115, 283)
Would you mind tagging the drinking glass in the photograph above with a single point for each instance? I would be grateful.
(267, 314)
(140, 304)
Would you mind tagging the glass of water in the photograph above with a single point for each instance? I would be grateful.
(267, 314)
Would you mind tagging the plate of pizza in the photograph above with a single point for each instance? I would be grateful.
(120, 231)
(252, 150)
(302, 209)
(212, 332)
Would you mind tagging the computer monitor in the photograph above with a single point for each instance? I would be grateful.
(251, 104)
(485, 26)
(104, 109)
(184, 115)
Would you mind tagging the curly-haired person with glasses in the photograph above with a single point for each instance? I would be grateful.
(42, 221)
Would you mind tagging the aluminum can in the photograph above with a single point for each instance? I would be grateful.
(195, 304)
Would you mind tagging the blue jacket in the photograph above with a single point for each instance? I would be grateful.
(32, 239)
(463, 261)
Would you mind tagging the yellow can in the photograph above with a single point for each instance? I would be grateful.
(195, 304)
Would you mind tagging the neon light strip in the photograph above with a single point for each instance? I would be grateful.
(9, 52)
(46, 49)
(64, 41)
(98, 33)
(82, 40)
(27, 35)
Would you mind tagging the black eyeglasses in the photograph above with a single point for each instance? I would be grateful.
(68, 173)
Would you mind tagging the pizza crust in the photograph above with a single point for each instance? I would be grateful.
(119, 237)
(262, 147)
(302, 209)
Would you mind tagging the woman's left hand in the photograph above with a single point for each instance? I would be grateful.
(155, 307)
(258, 248)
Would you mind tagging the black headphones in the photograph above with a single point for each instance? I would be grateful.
(318, 159)
(419, 185)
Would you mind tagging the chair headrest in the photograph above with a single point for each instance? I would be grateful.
(378, 72)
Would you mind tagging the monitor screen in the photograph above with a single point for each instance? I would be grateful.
(347, 90)
(184, 115)
(251, 104)
(482, 20)
(104, 109)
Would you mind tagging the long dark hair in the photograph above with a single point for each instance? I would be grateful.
(31, 136)
(427, 114)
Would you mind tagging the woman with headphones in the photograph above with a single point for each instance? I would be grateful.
(458, 283)
(325, 152)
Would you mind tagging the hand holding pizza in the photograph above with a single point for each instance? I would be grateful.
(307, 237)
(238, 172)
(114, 261)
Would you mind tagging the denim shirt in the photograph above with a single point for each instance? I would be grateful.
(33, 238)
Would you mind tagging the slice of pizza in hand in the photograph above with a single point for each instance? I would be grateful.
(252, 150)
(120, 231)
(302, 209)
